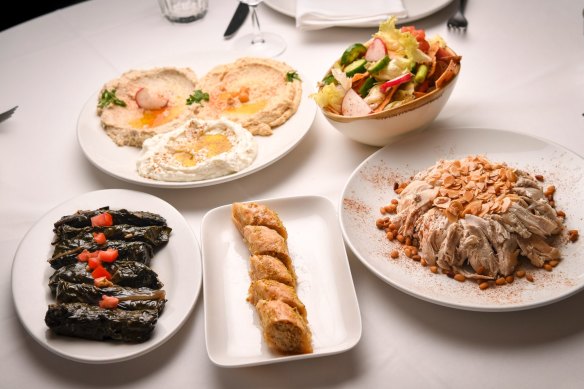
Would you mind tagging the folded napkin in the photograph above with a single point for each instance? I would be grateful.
(318, 14)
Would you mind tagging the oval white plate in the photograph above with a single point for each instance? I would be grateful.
(371, 186)
(417, 9)
(178, 265)
(120, 162)
(325, 286)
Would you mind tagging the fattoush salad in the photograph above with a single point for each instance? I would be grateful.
(394, 67)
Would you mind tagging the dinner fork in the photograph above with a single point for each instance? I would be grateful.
(6, 114)
(458, 21)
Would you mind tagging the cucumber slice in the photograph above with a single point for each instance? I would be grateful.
(330, 79)
(367, 85)
(355, 67)
(374, 67)
(353, 52)
(421, 74)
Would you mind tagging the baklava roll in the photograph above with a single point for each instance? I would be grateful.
(262, 240)
(274, 290)
(253, 214)
(266, 267)
(284, 330)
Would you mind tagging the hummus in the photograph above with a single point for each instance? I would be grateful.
(197, 150)
(258, 93)
(145, 103)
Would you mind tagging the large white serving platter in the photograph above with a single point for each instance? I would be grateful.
(417, 9)
(120, 162)
(371, 186)
(178, 266)
(325, 286)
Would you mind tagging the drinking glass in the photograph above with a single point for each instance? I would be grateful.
(260, 43)
(183, 11)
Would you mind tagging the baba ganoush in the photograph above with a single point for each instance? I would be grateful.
(258, 93)
(197, 150)
(143, 103)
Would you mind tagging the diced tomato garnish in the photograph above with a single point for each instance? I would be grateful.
(108, 255)
(101, 271)
(93, 262)
(420, 36)
(108, 302)
(83, 256)
(423, 45)
(99, 237)
(102, 220)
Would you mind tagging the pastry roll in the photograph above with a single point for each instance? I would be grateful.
(274, 290)
(253, 214)
(284, 330)
(262, 240)
(266, 267)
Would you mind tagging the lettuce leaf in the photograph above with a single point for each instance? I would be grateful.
(330, 95)
(400, 44)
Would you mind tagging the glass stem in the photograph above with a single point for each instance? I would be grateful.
(257, 33)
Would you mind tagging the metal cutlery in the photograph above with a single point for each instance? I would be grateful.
(458, 20)
(7, 114)
(237, 20)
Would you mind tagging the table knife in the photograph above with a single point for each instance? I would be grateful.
(237, 20)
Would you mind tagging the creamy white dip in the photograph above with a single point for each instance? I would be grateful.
(197, 150)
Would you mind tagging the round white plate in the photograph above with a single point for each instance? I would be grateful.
(417, 9)
(120, 162)
(178, 265)
(371, 186)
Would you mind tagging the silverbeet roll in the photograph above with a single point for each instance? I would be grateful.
(120, 216)
(156, 236)
(92, 322)
(125, 273)
(130, 299)
(66, 252)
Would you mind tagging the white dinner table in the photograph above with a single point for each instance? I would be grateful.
(522, 70)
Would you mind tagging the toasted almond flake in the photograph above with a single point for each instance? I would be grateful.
(441, 202)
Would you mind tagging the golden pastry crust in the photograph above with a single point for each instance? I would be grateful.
(246, 214)
(274, 290)
(266, 267)
(262, 240)
(284, 330)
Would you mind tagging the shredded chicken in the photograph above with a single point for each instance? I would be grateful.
(475, 217)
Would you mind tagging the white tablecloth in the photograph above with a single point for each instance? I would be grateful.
(523, 70)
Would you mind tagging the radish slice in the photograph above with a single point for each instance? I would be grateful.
(150, 100)
(354, 105)
(376, 50)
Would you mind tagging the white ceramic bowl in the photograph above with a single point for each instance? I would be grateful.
(382, 128)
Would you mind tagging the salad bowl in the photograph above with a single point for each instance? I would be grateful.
(396, 82)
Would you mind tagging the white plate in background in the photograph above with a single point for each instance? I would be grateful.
(371, 186)
(178, 265)
(325, 286)
(417, 9)
(120, 162)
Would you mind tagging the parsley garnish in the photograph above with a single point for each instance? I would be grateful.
(109, 97)
(291, 76)
(197, 97)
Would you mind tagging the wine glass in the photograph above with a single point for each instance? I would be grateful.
(260, 43)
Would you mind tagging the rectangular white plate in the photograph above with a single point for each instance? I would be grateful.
(325, 286)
